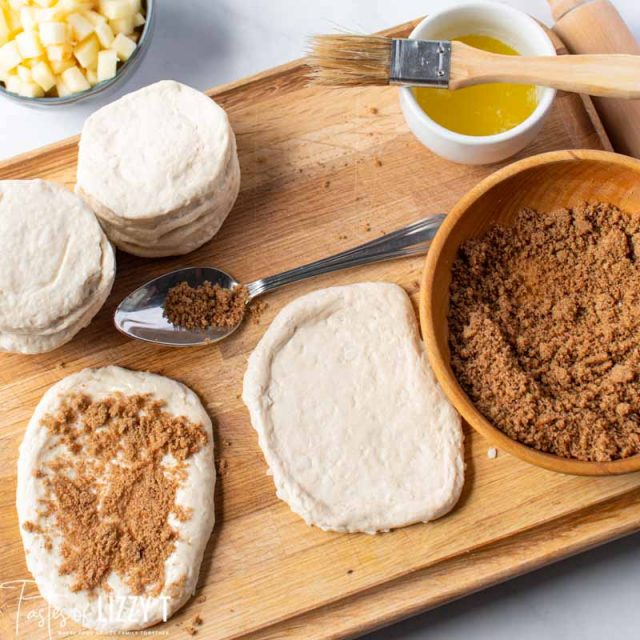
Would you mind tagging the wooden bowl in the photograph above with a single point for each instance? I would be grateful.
(546, 182)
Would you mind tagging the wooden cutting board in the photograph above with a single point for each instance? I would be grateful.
(322, 171)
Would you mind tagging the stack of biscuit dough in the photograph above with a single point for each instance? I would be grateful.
(160, 169)
(56, 266)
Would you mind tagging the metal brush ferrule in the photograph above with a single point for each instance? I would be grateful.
(424, 63)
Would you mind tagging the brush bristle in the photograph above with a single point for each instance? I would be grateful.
(348, 60)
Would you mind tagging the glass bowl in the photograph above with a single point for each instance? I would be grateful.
(124, 71)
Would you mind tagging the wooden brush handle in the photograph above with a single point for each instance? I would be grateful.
(606, 75)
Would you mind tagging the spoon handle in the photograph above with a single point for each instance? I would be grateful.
(408, 241)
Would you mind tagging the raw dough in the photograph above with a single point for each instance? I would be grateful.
(158, 166)
(47, 341)
(183, 565)
(57, 266)
(354, 427)
(50, 256)
(180, 240)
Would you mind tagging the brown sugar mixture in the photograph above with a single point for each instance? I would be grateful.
(109, 502)
(545, 330)
(205, 306)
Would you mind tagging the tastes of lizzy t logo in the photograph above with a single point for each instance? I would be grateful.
(25, 614)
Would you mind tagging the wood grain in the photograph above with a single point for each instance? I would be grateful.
(319, 168)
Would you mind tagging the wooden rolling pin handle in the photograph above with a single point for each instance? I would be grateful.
(609, 76)
(595, 26)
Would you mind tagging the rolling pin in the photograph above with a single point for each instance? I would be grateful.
(595, 26)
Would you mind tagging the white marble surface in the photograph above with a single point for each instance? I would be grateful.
(206, 42)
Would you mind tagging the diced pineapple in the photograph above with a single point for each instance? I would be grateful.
(86, 53)
(56, 53)
(115, 9)
(53, 33)
(123, 46)
(81, 27)
(74, 80)
(9, 56)
(107, 65)
(123, 25)
(28, 18)
(13, 83)
(62, 65)
(94, 17)
(30, 90)
(43, 76)
(32, 62)
(13, 19)
(105, 34)
(67, 7)
(61, 88)
(59, 52)
(65, 46)
(29, 44)
(47, 14)
(24, 73)
(5, 32)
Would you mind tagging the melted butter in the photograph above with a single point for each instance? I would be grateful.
(482, 110)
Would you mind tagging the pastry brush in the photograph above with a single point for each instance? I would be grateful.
(348, 60)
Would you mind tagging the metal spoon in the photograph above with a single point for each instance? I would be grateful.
(140, 314)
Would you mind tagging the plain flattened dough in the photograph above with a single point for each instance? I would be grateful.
(354, 427)
(196, 493)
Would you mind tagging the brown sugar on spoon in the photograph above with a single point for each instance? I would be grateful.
(205, 306)
(545, 330)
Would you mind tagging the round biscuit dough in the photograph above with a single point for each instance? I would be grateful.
(182, 566)
(180, 240)
(34, 343)
(155, 151)
(50, 257)
(157, 226)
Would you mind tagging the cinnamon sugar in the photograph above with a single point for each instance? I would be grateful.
(544, 328)
(196, 621)
(110, 503)
(205, 306)
(32, 527)
(256, 309)
(176, 588)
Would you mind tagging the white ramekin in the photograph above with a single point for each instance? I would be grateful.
(516, 29)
